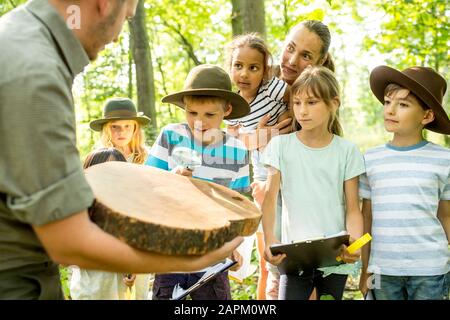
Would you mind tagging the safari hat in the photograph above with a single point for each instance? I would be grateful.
(210, 80)
(119, 109)
(425, 83)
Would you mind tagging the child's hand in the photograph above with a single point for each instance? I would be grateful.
(235, 256)
(363, 285)
(182, 171)
(258, 191)
(128, 279)
(234, 129)
(275, 260)
(348, 257)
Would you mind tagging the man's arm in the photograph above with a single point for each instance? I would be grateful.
(444, 216)
(76, 240)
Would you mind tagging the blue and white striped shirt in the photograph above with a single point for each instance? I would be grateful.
(225, 163)
(268, 100)
(405, 186)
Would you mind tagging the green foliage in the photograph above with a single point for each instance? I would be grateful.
(65, 281)
(186, 32)
(412, 33)
(8, 5)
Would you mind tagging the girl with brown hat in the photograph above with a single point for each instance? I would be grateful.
(121, 128)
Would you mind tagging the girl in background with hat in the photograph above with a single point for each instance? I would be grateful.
(121, 128)
(406, 190)
(317, 172)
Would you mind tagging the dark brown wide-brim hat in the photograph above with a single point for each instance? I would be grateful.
(119, 109)
(210, 80)
(425, 83)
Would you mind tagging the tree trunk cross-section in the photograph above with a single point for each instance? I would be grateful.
(155, 210)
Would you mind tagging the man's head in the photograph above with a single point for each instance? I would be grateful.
(101, 21)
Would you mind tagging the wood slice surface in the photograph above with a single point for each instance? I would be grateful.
(156, 210)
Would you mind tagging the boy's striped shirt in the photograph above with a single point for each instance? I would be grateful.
(224, 163)
(405, 186)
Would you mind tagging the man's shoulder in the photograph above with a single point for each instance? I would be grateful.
(27, 46)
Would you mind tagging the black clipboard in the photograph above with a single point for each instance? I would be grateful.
(309, 254)
(210, 273)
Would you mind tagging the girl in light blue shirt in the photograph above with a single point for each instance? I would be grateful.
(317, 172)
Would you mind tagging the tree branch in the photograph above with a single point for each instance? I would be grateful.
(185, 43)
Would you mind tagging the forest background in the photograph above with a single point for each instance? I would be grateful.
(167, 38)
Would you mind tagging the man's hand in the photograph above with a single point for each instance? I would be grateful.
(217, 255)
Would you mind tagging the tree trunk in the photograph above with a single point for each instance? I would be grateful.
(248, 16)
(143, 64)
(237, 24)
(130, 69)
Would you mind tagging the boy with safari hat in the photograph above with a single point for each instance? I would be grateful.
(406, 190)
(207, 99)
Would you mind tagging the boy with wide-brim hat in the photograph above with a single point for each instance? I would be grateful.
(406, 190)
(207, 99)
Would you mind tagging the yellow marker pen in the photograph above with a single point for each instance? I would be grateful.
(358, 244)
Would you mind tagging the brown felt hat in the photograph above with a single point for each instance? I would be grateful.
(210, 80)
(119, 109)
(425, 83)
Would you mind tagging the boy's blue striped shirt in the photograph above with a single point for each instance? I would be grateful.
(405, 186)
(223, 163)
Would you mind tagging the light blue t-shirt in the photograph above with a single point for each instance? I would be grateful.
(312, 184)
(405, 186)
